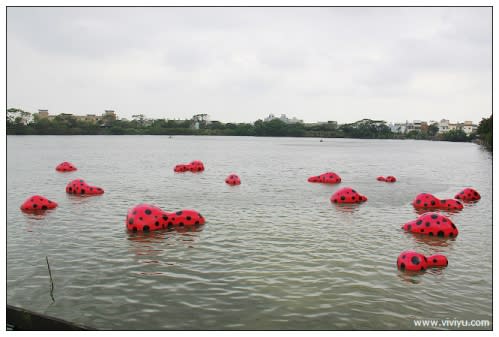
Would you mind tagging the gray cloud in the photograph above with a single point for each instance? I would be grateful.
(239, 64)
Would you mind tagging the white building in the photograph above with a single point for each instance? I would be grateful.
(443, 126)
(468, 127)
(283, 118)
(398, 127)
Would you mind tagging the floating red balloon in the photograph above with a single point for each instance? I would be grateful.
(432, 224)
(233, 179)
(37, 203)
(326, 178)
(416, 262)
(79, 186)
(468, 194)
(429, 201)
(388, 179)
(65, 167)
(346, 195)
(145, 218)
(193, 166)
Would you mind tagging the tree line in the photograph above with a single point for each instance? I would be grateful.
(20, 122)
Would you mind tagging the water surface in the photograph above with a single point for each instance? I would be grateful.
(274, 254)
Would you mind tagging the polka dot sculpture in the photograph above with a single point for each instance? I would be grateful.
(326, 178)
(389, 179)
(65, 167)
(145, 218)
(416, 262)
(233, 179)
(193, 166)
(432, 224)
(429, 201)
(37, 203)
(347, 195)
(468, 195)
(80, 187)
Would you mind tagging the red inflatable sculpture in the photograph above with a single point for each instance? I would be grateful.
(233, 179)
(389, 179)
(432, 224)
(37, 203)
(467, 195)
(326, 178)
(145, 218)
(347, 195)
(429, 201)
(193, 166)
(65, 167)
(79, 186)
(415, 262)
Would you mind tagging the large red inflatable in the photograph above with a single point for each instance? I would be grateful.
(429, 201)
(413, 261)
(233, 179)
(79, 186)
(145, 218)
(37, 203)
(326, 178)
(432, 224)
(346, 195)
(467, 195)
(193, 166)
(65, 167)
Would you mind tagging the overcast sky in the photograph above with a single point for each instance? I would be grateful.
(241, 64)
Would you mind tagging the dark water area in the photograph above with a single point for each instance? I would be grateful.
(275, 253)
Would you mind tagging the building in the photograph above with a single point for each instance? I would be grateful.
(443, 126)
(109, 114)
(468, 127)
(283, 118)
(398, 127)
(43, 113)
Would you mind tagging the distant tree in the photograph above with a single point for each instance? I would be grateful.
(455, 136)
(432, 129)
(139, 119)
(485, 131)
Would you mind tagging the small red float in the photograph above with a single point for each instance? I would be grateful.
(37, 203)
(347, 195)
(432, 224)
(80, 187)
(326, 178)
(437, 261)
(388, 179)
(467, 195)
(429, 201)
(65, 167)
(233, 179)
(193, 166)
(416, 262)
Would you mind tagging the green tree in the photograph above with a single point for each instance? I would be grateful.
(433, 129)
(485, 131)
(455, 136)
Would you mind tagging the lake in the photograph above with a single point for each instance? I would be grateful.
(275, 253)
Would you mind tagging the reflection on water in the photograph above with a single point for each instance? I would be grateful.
(447, 212)
(347, 208)
(411, 277)
(275, 253)
(433, 241)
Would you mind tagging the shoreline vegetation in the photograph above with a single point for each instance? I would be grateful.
(20, 122)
